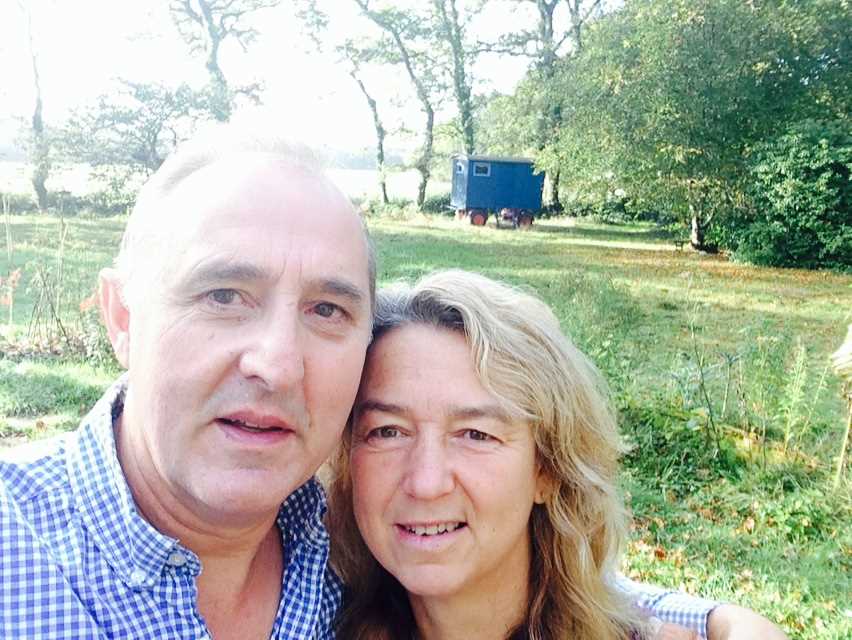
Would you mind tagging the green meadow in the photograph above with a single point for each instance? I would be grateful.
(731, 415)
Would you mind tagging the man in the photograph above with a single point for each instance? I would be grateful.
(185, 505)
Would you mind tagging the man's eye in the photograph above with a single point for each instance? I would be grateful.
(326, 309)
(223, 296)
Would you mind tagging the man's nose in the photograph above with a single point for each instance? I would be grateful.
(274, 353)
(429, 473)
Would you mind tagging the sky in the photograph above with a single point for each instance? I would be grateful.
(84, 45)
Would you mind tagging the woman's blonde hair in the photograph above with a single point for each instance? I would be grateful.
(524, 359)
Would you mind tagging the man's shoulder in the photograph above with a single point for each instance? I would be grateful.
(35, 468)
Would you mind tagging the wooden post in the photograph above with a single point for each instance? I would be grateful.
(842, 361)
(8, 221)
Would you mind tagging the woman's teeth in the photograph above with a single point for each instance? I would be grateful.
(433, 529)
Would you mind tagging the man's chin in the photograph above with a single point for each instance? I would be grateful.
(237, 498)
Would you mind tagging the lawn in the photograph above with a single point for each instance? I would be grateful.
(719, 371)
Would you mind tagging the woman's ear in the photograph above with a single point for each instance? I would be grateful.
(543, 486)
(115, 314)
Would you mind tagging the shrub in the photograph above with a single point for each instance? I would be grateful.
(397, 207)
(20, 202)
(802, 198)
(439, 203)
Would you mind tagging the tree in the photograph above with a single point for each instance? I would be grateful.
(127, 134)
(39, 146)
(405, 31)
(205, 25)
(355, 58)
(354, 55)
(451, 30)
(801, 185)
(666, 96)
(538, 109)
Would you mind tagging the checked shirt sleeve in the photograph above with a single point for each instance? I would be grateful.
(670, 606)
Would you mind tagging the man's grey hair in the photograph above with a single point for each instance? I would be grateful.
(203, 150)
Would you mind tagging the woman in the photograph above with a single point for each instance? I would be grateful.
(483, 458)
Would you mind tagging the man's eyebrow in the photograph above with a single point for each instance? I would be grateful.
(341, 288)
(225, 271)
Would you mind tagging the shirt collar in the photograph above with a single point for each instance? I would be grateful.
(130, 544)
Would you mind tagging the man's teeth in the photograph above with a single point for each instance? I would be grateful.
(251, 427)
(434, 529)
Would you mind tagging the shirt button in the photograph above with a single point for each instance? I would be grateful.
(176, 559)
(138, 577)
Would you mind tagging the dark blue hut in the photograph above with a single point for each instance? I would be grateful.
(488, 184)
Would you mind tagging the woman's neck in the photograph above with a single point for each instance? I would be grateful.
(489, 616)
(488, 610)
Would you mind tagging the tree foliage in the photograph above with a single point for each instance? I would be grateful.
(667, 96)
(205, 25)
(38, 139)
(407, 38)
(127, 134)
(802, 198)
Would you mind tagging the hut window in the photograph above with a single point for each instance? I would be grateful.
(459, 167)
(482, 169)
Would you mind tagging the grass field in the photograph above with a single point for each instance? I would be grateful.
(699, 351)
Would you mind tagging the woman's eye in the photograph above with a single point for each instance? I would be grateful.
(480, 436)
(384, 432)
(223, 296)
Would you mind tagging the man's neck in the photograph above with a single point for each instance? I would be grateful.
(242, 564)
(202, 533)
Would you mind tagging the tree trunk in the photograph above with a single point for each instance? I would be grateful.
(425, 162)
(395, 32)
(697, 235)
(39, 151)
(221, 106)
(555, 202)
(380, 137)
(449, 19)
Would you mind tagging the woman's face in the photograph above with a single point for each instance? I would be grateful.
(443, 479)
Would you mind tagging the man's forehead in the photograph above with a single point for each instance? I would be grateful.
(250, 174)
(255, 208)
(256, 189)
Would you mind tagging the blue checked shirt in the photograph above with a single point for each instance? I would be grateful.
(78, 561)
(670, 606)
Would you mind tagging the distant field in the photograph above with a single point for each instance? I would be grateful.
(756, 522)
(356, 183)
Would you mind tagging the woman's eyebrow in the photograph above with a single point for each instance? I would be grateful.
(493, 411)
(376, 405)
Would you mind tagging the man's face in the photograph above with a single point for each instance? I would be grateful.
(246, 342)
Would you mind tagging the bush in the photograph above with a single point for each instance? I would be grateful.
(20, 202)
(439, 203)
(99, 202)
(396, 208)
(616, 209)
(802, 198)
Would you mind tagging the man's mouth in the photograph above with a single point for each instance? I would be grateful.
(434, 529)
(247, 426)
(251, 427)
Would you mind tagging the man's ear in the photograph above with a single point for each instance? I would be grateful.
(115, 314)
